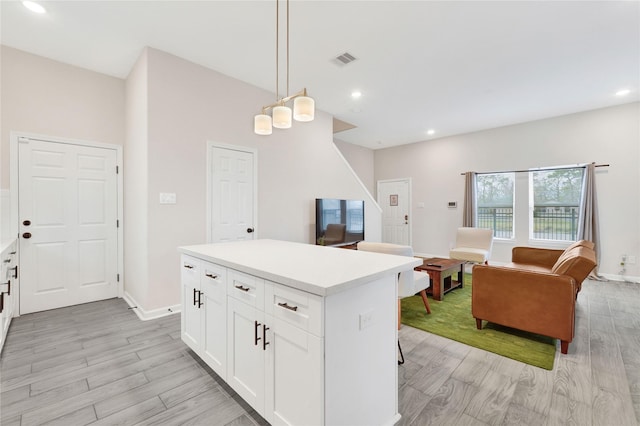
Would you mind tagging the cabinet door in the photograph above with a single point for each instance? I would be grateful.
(245, 352)
(214, 317)
(191, 324)
(294, 385)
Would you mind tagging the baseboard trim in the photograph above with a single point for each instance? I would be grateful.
(145, 315)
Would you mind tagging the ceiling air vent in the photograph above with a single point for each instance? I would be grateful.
(345, 58)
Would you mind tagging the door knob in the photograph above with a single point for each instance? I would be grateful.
(26, 235)
(249, 230)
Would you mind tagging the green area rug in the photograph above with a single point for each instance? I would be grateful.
(451, 318)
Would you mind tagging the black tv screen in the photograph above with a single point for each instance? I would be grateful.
(339, 222)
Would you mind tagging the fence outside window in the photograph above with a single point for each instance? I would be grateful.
(550, 222)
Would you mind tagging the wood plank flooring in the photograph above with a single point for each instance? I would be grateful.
(98, 364)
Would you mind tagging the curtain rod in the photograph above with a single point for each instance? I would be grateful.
(536, 170)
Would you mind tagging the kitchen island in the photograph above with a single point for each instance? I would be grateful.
(305, 334)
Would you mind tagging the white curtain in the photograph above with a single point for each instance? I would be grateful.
(469, 213)
(588, 228)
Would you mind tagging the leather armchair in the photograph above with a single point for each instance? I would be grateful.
(534, 293)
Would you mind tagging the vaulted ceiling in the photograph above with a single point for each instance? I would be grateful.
(451, 66)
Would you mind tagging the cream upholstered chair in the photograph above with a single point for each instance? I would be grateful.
(473, 245)
(409, 282)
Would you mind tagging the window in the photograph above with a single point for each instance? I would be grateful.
(554, 201)
(494, 203)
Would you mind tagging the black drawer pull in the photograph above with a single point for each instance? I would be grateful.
(256, 324)
(212, 276)
(245, 289)
(289, 307)
(264, 337)
(186, 265)
(195, 300)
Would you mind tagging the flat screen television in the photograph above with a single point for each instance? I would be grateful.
(339, 222)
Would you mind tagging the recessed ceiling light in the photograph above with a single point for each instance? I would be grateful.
(430, 132)
(623, 92)
(356, 94)
(34, 7)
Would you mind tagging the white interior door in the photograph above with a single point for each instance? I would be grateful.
(68, 232)
(394, 199)
(232, 191)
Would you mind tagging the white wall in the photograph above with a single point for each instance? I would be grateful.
(605, 136)
(189, 105)
(135, 159)
(361, 160)
(41, 96)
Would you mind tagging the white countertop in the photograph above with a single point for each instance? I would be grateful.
(315, 269)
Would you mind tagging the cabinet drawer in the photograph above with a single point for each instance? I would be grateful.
(247, 288)
(214, 281)
(190, 271)
(299, 308)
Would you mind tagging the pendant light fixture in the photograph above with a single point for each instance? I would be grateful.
(281, 114)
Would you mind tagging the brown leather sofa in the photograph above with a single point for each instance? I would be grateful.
(534, 293)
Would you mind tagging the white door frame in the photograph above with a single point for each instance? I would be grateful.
(409, 209)
(14, 137)
(210, 146)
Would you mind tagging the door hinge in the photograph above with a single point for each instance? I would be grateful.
(118, 277)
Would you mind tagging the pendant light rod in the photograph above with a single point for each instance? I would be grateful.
(277, 49)
(287, 47)
(281, 114)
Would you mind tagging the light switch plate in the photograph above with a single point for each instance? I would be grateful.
(167, 198)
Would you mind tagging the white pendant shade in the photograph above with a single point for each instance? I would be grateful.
(304, 108)
(282, 117)
(262, 124)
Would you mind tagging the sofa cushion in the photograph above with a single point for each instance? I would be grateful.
(528, 267)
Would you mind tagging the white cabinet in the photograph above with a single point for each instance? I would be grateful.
(8, 287)
(297, 347)
(204, 311)
(275, 363)
(191, 324)
(309, 332)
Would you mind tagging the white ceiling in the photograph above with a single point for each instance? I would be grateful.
(454, 66)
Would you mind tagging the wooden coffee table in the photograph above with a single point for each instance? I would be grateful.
(440, 273)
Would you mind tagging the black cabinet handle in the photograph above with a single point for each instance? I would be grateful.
(256, 324)
(250, 230)
(264, 337)
(200, 299)
(15, 273)
(240, 287)
(26, 222)
(186, 265)
(289, 307)
(26, 235)
(9, 288)
(212, 276)
(194, 297)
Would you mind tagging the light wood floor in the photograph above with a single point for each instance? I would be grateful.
(98, 364)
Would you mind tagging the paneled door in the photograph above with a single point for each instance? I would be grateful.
(68, 230)
(232, 192)
(394, 199)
